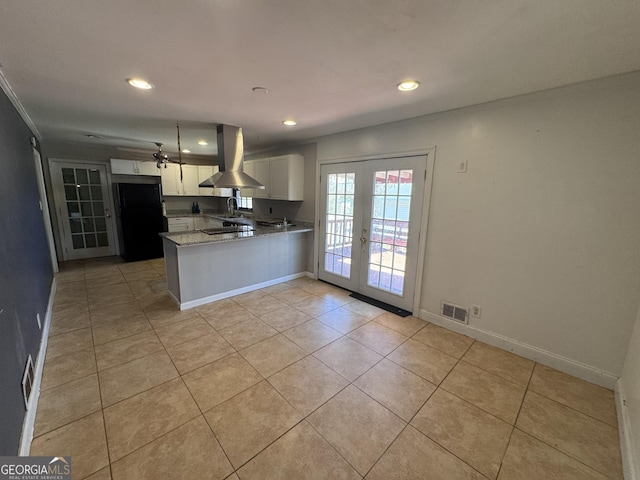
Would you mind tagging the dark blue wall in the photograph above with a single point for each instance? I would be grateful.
(25, 270)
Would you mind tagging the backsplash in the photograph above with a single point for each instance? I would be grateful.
(214, 204)
(263, 208)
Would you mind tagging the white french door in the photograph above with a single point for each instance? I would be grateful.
(371, 213)
(82, 199)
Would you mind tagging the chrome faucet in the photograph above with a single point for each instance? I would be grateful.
(230, 201)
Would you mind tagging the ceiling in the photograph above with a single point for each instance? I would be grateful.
(332, 65)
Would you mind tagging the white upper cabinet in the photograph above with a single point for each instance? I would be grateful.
(282, 176)
(170, 180)
(148, 168)
(206, 171)
(287, 178)
(132, 167)
(173, 185)
(189, 180)
(261, 169)
(249, 170)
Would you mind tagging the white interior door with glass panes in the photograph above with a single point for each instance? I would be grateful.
(371, 213)
(82, 201)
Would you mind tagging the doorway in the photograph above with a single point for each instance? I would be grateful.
(371, 215)
(83, 207)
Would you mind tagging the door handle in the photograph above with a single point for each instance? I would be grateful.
(107, 213)
(363, 240)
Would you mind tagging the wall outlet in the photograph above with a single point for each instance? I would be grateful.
(39, 322)
(476, 311)
(462, 166)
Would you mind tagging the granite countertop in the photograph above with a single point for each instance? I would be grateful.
(197, 237)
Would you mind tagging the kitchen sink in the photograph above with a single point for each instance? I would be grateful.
(228, 215)
(273, 223)
(232, 219)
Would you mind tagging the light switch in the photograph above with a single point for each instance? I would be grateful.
(462, 167)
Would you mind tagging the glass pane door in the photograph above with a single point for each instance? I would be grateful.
(370, 225)
(85, 208)
(339, 221)
(390, 209)
(341, 189)
(82, 200)
(393, 197)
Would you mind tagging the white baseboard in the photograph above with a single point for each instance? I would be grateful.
(630, 455)
(32, 407)
(238, 291)
(577, 369)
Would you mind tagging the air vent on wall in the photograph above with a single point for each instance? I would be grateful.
(455, 312)
(27, 381)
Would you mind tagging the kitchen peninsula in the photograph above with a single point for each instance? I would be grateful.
(212, 264)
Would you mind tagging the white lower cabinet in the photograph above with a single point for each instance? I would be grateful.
(183, 224)
(200, 222)
(180, 224)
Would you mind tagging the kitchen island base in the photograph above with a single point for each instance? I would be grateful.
(202, 273)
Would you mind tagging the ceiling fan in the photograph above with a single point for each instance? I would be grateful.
(162, 158)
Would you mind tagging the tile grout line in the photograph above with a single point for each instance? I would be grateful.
(104, 422)
(515, 427)
(349, 382)
(568, 454)
(439, 386)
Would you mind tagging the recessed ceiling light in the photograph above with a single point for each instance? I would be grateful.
(202, 142)
(408, 85)
(289, 123)
(260, 90)
(185, 150)
(139, 83)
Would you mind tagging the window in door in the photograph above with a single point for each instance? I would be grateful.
(339, 227)
(391, 205)
(85, 208)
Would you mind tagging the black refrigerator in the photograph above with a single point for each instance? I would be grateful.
(140, 221)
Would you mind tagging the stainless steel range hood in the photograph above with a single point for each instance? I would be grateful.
(230, 160)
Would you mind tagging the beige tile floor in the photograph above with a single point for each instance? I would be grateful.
(297, 381)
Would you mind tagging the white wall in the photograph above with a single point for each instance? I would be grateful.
(543, 230)
(630, 390)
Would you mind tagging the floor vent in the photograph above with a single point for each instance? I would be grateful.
(455, 312)
(27, 381)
